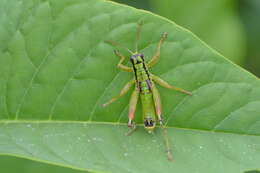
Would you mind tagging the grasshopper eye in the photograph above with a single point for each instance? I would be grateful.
(132, 58)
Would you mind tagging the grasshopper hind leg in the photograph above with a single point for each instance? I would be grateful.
(157, 103)
(132, 108)
(132, 127)
(167, 142)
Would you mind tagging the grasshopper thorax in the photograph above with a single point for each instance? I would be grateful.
(137, 58)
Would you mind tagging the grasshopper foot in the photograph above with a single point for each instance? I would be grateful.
(164, 35)
(132, 127)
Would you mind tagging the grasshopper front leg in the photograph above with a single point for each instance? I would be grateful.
(120, 65)
(156, 57)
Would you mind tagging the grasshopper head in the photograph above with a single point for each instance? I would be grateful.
(137, 58)
(149, 124)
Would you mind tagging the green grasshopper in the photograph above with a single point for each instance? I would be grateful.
(145, 88)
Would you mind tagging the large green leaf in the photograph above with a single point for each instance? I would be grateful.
(57, 70)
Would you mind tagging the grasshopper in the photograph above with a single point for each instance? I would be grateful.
(144, 88)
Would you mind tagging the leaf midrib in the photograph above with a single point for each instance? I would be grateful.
(114, 124)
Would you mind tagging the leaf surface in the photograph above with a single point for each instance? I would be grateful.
(56, 70)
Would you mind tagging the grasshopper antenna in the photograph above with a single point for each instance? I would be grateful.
(119, 45)
(140, 23)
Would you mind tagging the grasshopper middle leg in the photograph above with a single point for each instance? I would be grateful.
(122, 92)
(166, 85)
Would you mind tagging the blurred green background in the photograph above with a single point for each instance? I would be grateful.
(232, 27)
(9, 164)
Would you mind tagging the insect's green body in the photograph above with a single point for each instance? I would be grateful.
(148, 111)
(145, 88)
